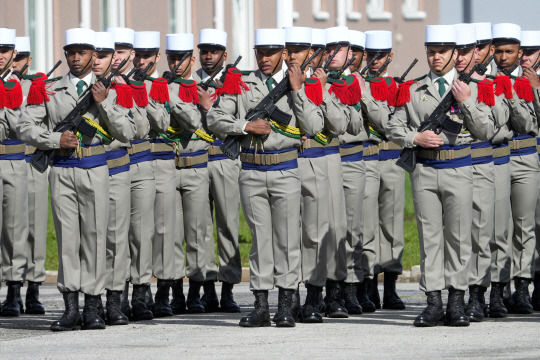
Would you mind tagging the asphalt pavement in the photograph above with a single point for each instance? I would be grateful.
(383, 334)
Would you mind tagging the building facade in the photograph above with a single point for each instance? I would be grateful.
(46, 20)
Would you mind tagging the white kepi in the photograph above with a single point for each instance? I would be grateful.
(80, 37)
(465, 36)
(104, 42)
(337, 35)
(530, 39)
(179, 43)
(318, 38)
(7, 38)
(146, 41)
(213, 37)
(269, 38)
(483, 33)
(379, 41)
(506, 31)
(298, 35)
(122, 36)
(440, 35)
(22, 45)
(357, 39)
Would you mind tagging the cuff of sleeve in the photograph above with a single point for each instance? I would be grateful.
(409, 140)
(242, 128)
(54, 140)
(468, 105)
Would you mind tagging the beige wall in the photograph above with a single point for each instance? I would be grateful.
(154, 15)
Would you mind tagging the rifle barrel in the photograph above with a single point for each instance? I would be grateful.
(377, 55)
(54, 68)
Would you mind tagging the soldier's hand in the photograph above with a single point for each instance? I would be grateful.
(205, 101)
(68, 140)
(258, 127)
(322, 76)
(530, 74)
(296, 77)
(428, 139)
(100, 92)
(461, 91)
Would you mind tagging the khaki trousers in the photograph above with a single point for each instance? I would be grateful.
(271, 203)
(38, 213)
(370, 219)
(141, 227)
(165, 236)
(80, 207)
(443, 206)
(391, 209)
(224, 202)
(191, 222)
(118, 231)
(314, 218)
(337, 266)
(483, 217)
(500, 244)
(354, 183)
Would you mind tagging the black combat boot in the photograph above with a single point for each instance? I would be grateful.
(194, 305)
(310, 312)
(455, 309)
(33, 305)
(535, 299)
(391, 300)
(433, 313)
(522, 301)
(507, 297)
(228, 304)
(162, 308)
(139, 309)
(260, 316)
(476, 307)
(333, 299)
(296, 310)
(351, 301)
(71, 318)
(363, 298)
(284, 316)
(497, 309)
(91, 318)
(114, 315)
(178, 303)
(149, 298)
(210, 299)
(13, 305)
(124, 303)
(373, 292)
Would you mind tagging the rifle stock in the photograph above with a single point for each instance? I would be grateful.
(54, 67)
(377, 55)
(401, 79)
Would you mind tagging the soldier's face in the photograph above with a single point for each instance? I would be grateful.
(143, 58)
(440, 59)
(102, 63)
(466, 59)
(6, 57)
(379, 62)
(122, 53)
(529, 58)
(484, 52)
(318, 60)
(212, 58)
(79, 60)
(20, 61)
(359, 55)
(506, 55)
(341, 58)
(270, 61)
(183, 70)
(297, 55)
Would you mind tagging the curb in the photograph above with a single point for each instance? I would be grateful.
(408, 276)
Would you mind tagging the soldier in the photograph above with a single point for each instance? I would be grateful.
(38, 200)
(516, 259)
(442, 181)
(530, 44)
(187, 103)
(143, 182)
(318, 38)
(15, 189)
(78, 178)
(224, 196)
(358, 51)
(269, 179)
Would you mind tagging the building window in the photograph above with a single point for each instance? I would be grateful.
(39, 27)
(377, 10)
(113, 13)
(411, 10)
(352, 13)
(180, 16)
(317, 9)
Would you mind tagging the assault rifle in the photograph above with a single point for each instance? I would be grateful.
(139, 74)
(388, 61)
(336, 75)
(330, 58)
(266, 108)
(54, 68)
(19, 74)
(402, 78)
(74, 121)
(205, 85)
(171, 75)
(230, 66)
(438, 120)
(377, 55)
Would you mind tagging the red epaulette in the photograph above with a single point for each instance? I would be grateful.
(523, 89)
(37, 94)
(392, 91)
(486, 93)
(188, 91)
(503, 85)
(347, 90)
(124, 95)
(139, 94)
(159, 90)
(233, 84)
(313, 90)
(378, 88)
(403, 93)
